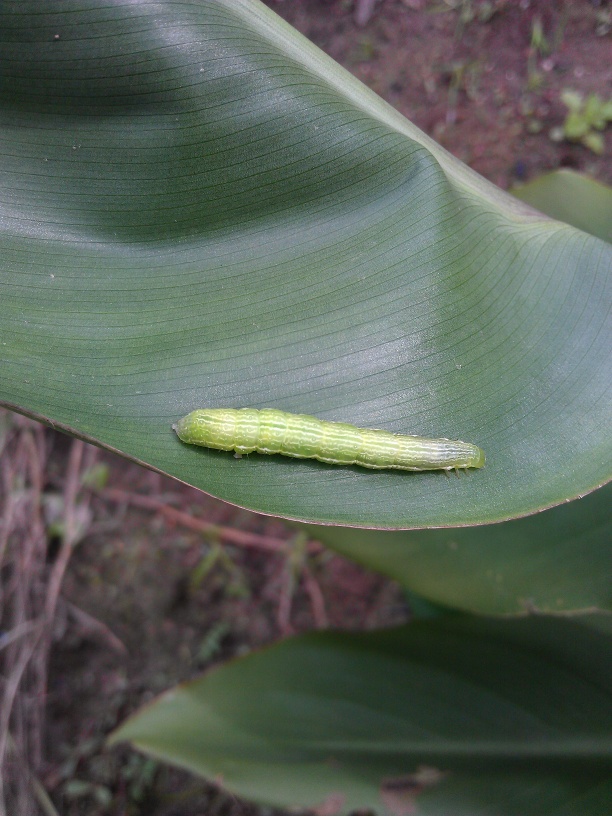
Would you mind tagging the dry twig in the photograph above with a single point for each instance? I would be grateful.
(28, 602)
(22, 560)
(229, 534)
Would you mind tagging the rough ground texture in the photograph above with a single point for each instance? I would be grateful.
(147, 600)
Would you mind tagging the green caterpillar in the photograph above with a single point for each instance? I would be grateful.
(246, 430)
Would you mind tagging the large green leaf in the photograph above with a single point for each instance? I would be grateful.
(556, 561)
(200, 208)
(455, 717)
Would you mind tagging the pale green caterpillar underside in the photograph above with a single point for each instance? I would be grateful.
(249, 430)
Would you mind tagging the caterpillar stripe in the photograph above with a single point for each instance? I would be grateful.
(249, 430)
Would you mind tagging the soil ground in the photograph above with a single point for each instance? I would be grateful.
(148, 602)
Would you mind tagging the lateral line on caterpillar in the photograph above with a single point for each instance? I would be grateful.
(271, 431)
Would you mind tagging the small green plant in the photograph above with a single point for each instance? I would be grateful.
(585, 118)
(467, 12)
(538, 47)
(603, 22)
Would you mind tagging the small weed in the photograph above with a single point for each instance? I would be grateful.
(365, 50)
(139, 773)
(79, 789)
(538, 47)
(211, 643)
(603, 22)
(235, 586)
(584, 121)
(469, 11)
(539, 44)
(96, 476)
(462, 76)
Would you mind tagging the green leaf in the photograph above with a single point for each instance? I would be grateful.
(555, 561)
(448, 717)
(593, 111)
(572, 100)
(576, 125)
(201, 209)
(595, 142)
(575, 199)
